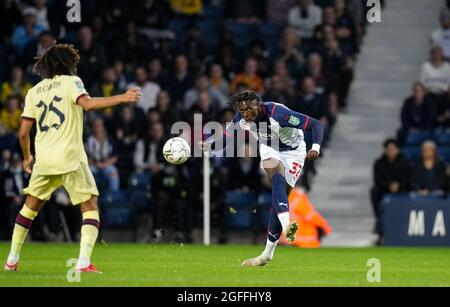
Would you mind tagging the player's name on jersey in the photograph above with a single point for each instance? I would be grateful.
(48, 87)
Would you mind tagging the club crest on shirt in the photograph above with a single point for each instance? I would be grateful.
(80, 85)
(295, 121)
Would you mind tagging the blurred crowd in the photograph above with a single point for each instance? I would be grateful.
(417, 161)
(188, 57)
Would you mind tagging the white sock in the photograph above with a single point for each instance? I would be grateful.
(83, 262)
(270, 249)
(285, 219)
(12, 259)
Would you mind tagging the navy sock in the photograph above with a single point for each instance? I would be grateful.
(280, 202)
(275, 228)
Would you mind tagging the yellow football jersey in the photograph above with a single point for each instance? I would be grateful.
(59, 124)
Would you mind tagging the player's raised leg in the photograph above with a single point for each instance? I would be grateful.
(22, 226)
(89, 234)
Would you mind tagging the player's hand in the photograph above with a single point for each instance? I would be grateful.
(204, 146)
(132, 95)
(28, 164)
(312, 155)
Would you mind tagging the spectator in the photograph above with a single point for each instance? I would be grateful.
(249, 77)
(435, 75)
(106, 87)
(119, 70)
(41, 14)
(36, 48)
(202, 84)
(168, 115)
(187, 7)
(155, 71)
(277, 92)
(22, 35)
(441, 37)
(204, 106)
(219, 82)
(127, 128)
(305, 17)
(148, 152)
(417, 112)
(278, 10)
(312, 103)
(10, 116)
(150, 90)
(152, 16)
(15, 86)
(245, 11)
(428, 175)
(281, 71)
(10, 18)
(391, 176)
(443, 114)
(178, 82)
(92, 56)
(102, 155)
(14, 181)
(291, 51)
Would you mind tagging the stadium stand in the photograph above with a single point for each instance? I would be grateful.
(164, 47)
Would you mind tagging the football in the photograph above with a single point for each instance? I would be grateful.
(176, 151)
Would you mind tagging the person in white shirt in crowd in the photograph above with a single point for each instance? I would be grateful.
(150, 90)
(441, 36)
(203, 84)
(305, 17)
(435, 74)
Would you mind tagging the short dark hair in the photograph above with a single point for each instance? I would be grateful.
(246, 96)
(59, 59)
(390, 142)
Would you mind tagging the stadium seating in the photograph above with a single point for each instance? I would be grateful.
(443, 139)
(416, 138)
(412, 153)
(444, 153)
(264, 208)
(243, 34)
(139, 181)
(241, 206)
(116, 209)
(270, 34)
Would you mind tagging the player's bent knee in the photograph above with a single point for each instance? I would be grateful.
(90, 205)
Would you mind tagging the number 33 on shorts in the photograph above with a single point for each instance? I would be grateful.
(296, 169)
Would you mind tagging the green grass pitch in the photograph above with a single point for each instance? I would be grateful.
(218, 266)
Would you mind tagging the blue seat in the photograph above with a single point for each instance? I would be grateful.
(416, 138)
(116, 209)
(444, 153)
(242, 204)
(139, 181)
(264, 209)
(443, 138)
(270, 34)
(243, 34)
(412, 153)
(140, 199)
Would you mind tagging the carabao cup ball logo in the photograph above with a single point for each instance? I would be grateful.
(176, 151)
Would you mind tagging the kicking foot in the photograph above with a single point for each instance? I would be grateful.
(89, 269)
(12, 268)
(258, 261)
(291, 231)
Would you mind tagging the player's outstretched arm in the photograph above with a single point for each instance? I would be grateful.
(24, 139)
(90, 104)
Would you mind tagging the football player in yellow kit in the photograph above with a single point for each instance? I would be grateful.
(56, 105)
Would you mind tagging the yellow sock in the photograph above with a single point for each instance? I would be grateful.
(23, 224)
(89, 234)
